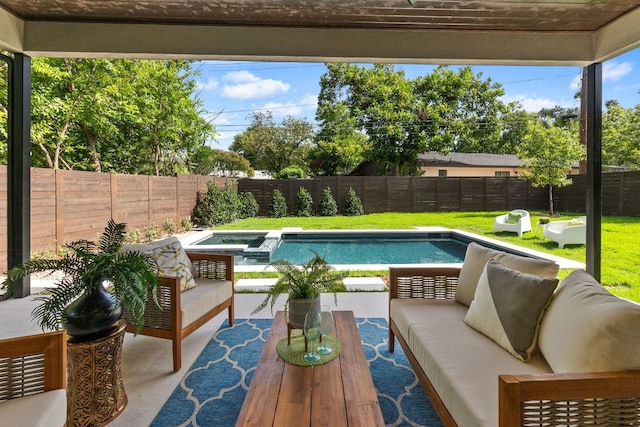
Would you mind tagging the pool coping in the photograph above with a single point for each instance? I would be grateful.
(189, 241)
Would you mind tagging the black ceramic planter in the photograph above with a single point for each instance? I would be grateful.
(93, 314)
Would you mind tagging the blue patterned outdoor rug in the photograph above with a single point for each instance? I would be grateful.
(212, 392)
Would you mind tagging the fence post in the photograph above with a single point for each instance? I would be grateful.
(149, 199)
(621, 194)
(113, 188)
(413, 193)
(59, 177)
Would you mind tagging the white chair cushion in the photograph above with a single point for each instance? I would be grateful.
(199, 301)
(47, 409)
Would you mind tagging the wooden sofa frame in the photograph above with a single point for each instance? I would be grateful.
(33, 364)
(165, 321)
(524, 400)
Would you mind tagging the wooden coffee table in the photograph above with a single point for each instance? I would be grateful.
(338, 393)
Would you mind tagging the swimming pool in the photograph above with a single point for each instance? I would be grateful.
(378, 248)
(349, 249)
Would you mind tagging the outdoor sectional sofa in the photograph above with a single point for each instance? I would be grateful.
(582, 345)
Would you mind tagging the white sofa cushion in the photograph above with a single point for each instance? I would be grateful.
(171, 258)
(48, 409)
(201, 299)
(588, 329)
(477, 256)
(508, 307)
(462, 364)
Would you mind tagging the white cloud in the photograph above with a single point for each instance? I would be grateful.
(612, 72)
(211, 84)
(245, 85)
(533, 105)
(242, 76)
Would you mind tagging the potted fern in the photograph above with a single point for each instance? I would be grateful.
(304, 284)
(80, 303)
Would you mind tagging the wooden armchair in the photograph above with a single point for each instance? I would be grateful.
(181, 313)
(33, 380)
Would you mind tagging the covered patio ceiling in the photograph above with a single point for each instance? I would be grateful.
(500, 32)
(534, 32)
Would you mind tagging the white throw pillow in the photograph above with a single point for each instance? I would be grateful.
(171, 258)
(588, 329)
(477, 257)
(508, 307)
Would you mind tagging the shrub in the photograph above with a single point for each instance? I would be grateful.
(328, 205)
(353, 204)
(278, 208)
(169, 226)
(248, 205)
(304, 203)
(151, 233)
(186, 224)
(291, 172)
(217, 205)
(133, 236)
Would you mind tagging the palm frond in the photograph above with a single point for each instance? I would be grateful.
(309, 280)
(133, 276)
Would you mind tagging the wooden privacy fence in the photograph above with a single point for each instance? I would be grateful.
(72, 205)
(406, 194)
(620, 194)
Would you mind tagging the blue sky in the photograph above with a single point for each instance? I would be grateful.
(231, 91)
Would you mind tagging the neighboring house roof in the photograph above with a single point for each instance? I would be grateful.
(433, 158)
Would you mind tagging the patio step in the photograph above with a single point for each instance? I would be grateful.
(351, 283)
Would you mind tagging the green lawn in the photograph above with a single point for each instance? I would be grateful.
(620, 238)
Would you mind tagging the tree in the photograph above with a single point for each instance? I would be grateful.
(272, 146)
(548, 153)
(403, 118)
(514, 128)
(558, 116)
(381, 104)
(621, 135)
(339, 146)
(207, 160)
(117, 115)
(460, 111)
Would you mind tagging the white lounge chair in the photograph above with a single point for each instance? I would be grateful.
(568, 232)
(516, 221)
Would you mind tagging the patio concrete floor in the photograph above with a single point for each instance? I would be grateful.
(147, 370)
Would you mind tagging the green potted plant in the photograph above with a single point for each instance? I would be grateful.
(304, 284)
(80, 303)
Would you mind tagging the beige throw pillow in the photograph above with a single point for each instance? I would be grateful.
(171, 258)
(588, 329)
(508, 307)
(477, 257)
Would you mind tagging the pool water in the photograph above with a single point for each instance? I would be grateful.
(338, 248)
(372, 251)
(233, 239)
